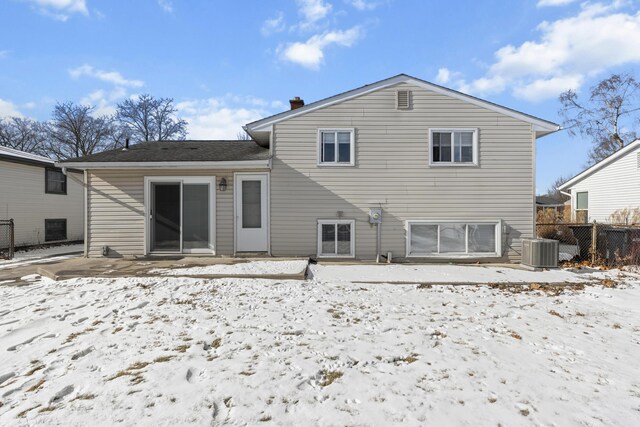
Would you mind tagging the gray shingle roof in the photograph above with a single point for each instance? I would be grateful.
(181, 151)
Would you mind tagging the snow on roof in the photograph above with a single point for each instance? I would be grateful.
(6, 152)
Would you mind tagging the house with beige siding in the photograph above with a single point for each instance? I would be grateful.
(610, 187)
(400, 167)
(45, 204)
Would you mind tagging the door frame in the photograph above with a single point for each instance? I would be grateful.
(236, 189)
(211, 180)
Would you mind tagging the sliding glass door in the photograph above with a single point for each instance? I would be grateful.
(180, 214)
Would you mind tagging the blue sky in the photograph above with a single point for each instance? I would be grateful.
(230, 62)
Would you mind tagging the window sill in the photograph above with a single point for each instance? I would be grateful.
(454, 165)
(335, 165)
(335, 256)
(56, 193)
(456, 255)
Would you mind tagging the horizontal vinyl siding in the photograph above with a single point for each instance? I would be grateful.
(23, 198)
(616, 186)
(392, 170)
(116, 210)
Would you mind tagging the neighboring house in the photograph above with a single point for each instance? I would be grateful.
(611, 185)
(453, 175)
(544, 203)
(45, 204)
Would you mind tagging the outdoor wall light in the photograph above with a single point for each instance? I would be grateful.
(223, 184)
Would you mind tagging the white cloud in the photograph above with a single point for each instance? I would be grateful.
(542, 89)
(311, 53)
(113, 77)
(312, 11)
(60, 10)
(166, 5)
(273, 25)
(445, 75)
(222, 118)
(104, 102)
(568, 51)
(544, 3)
(363, 4)
(9, 109)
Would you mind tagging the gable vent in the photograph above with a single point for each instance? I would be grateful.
(403, 99)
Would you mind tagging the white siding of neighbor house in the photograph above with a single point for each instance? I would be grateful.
(23, 198)
(392, 170)
(613, 187)
(116, 210)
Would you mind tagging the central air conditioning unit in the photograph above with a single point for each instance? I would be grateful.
(540, 253)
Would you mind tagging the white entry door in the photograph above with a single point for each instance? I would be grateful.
(252, 204)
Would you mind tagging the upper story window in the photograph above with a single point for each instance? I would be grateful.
(55, 182)
(453, 147)
(336, 147)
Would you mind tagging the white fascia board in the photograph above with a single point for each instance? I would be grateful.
(264, 124)
(602, 163)
(247, 164)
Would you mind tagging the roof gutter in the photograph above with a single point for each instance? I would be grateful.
(245, 164)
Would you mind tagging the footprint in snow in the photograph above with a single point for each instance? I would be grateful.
(82, 353)
(29, 341)
(141, 305)
(61, 394)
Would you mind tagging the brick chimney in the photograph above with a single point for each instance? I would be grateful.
(296, 102)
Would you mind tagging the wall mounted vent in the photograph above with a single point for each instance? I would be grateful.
(403, 99)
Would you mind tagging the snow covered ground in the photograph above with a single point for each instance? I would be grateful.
(249, 267)
(34, 256)
(186, 351)
(442, 274)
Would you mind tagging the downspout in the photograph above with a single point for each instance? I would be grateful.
(86, 214)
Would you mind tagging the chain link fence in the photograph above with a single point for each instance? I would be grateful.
(7, 241)
(613, 245)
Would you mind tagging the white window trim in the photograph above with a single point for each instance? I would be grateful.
(352, 159)
(211, 180)
(352, 223)
(498, 237)
(576, 210)
(453, 164)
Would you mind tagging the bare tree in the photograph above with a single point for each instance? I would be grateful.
(74, 132)
(151, 119)
(23, 134)
(609, 116)
(553, 190)
(243, 136)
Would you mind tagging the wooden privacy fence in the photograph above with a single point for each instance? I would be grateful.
(597, 243)
(7, 238)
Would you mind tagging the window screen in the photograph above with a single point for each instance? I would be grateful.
(55, 181)
(336, 238)
(55, 229)
(452, 147)
(251, 204)
(424, 238)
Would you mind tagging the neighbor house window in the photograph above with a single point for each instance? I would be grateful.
(336, 147)
(582, 206)
(55, 229)
(453, 147)
(55, 181)
(336, 238)
(453, 238)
